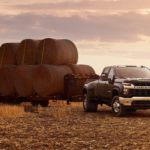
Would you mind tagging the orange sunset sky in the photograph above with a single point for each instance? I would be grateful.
(106, 32)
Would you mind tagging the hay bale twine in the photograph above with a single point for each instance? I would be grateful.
(27, 52)
(7, 80)
(57, 52)
(49, 79)
(23, 80)
(7, 53)
(84, 70)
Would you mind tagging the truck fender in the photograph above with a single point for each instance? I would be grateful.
(115, 92)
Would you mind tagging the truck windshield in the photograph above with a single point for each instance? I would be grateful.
(132, 72)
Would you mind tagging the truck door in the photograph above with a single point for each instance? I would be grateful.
(109, 88)
(105, 87)
(102, 85)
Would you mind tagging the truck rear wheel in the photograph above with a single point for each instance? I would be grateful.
(117, 108)
(89, 106)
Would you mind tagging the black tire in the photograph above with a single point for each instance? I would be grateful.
(89, 106)
(34, 103)
(117, 108)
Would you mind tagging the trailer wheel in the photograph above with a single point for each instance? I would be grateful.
(89, 106)
(34, 103)
(44, 103)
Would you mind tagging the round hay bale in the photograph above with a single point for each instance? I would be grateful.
(27, 52)
(7, 53)
(7, 80)
(84, 70)
(23, 80)
(57, 52)
(49, 79)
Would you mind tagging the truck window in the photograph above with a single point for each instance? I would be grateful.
(104, 75)
(106, 70)
(111, 73)
(132, 72)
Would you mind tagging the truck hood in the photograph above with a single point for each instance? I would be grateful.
(133, 80)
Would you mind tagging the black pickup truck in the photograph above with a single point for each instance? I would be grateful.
(124, 88)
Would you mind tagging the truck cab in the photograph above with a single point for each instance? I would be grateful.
(124, 88)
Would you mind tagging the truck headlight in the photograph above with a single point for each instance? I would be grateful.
(128, 85)
(125, 91)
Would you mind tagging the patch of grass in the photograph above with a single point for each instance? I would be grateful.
(60, 109)
(11, 110)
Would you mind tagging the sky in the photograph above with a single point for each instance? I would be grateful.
(106, 32)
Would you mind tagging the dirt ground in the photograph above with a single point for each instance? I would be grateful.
(61, 127)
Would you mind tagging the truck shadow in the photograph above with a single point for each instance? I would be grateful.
(138, 114)
(104, 112)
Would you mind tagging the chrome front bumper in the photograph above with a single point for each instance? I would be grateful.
(128, 101)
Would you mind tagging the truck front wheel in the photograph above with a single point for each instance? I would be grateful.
(89, 106)
(117, 108)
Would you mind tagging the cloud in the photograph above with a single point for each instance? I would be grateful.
(74, 7)
(128, 27)
(79, 4)
(121, 35)
(112, 30)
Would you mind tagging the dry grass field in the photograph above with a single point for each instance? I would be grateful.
(11, 111)
(67, 127)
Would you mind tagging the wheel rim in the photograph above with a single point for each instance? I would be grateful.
(85, 101)
(116, 107)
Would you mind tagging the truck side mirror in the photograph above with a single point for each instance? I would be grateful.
(111, 80)
(104, 76)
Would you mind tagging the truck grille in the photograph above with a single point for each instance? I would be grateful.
(139, 92)
(142, 84)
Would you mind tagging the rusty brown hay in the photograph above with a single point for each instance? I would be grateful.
(11, 111)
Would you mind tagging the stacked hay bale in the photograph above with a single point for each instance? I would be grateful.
(26, 59)
(7, 80)
(49, 79)
(7, 53)
(38, 67)
(57, 52)
(7, 68)
(83, 70)
(23, 80)
(26, 52)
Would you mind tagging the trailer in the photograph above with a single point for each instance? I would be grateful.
(73, 92)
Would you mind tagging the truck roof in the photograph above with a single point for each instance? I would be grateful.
(116, 66)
